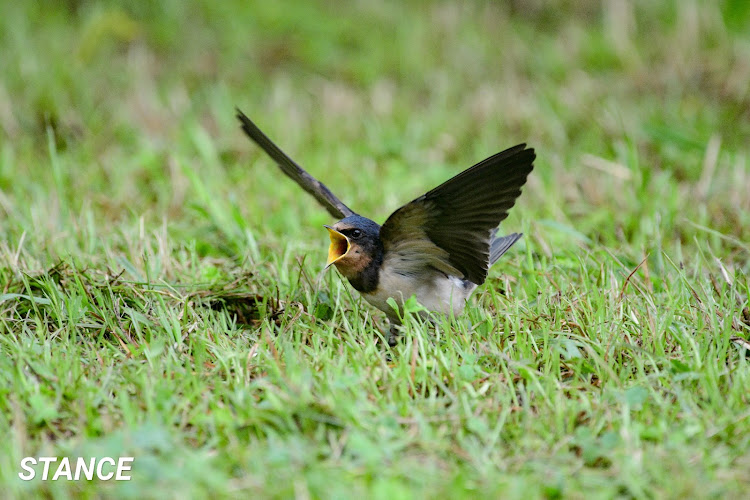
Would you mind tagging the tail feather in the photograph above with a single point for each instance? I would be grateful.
(501, 244)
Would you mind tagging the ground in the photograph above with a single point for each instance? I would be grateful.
(161, 293)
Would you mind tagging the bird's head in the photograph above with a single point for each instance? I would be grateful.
(355, 244)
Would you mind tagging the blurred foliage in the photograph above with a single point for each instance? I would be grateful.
(159, 279)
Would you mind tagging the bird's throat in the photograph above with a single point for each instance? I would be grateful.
(367, 275)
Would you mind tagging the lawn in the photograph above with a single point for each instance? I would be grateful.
(161, 285)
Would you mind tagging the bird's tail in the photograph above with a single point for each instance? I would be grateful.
(501, 244)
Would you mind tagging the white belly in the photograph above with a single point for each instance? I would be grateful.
(435, 291)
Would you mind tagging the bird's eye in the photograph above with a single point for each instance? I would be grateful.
(356, 233)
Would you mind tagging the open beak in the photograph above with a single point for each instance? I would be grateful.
(339, 246)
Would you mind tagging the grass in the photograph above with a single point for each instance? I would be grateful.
(160, 286)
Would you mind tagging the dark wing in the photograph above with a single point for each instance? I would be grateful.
(306, 181)
(456, 219)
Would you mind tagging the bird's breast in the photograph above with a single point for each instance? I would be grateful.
(435, 290)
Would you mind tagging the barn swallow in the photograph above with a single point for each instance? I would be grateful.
(438, 247)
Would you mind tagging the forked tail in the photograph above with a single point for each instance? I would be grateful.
(501, 244)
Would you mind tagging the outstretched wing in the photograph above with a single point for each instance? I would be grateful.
(306, 181)
(454, 222)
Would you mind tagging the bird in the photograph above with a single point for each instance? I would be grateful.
(438, 247)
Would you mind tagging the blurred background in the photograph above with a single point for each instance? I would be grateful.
(121, 113)
(605, 353)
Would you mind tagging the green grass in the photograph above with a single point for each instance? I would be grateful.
(161, 293)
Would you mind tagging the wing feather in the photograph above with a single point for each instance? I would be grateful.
(306, 181)
(460, 216)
